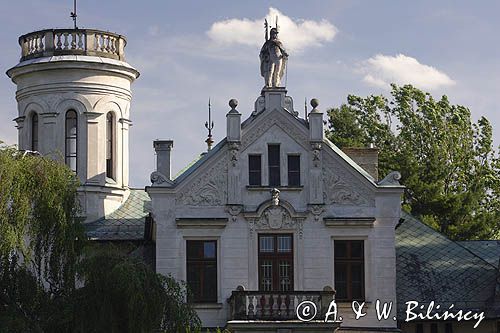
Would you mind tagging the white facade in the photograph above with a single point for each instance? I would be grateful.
(336, 200)
(91, 82)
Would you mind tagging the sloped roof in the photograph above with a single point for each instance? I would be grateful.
(125, 223)
(488, 250)
(431, 267)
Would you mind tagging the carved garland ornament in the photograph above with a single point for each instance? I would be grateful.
(209, 189)
(337, 190)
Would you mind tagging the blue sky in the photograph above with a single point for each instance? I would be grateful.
(191, 50)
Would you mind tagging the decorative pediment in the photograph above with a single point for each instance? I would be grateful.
(273, 215)
(208, 189)
(278, 118)
(340, 188)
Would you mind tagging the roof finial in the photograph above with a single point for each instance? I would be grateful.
(305, 108)
(209, 126)
(73, 14)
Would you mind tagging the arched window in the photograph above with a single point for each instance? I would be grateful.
(34, 132)
(109, 145)
(71, 139)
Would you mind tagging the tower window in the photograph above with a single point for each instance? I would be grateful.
(293, 170)
(71, 139)
(274, 165)
(109, 145)
(34, 132)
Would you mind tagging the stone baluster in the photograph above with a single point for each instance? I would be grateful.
(260, 306)
(80, 41)
(251, 307)
(73, 40)
(59, 43)
(66, 40)
(41, 46)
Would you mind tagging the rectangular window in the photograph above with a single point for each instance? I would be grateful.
(273, 157)
(448, 328)
(349, 270)
(293, 170)
(434, 328)
(419, 328)
(202, 270)
(254, 170)
(275, 262)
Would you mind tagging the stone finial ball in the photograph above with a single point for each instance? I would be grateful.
(314, 102)
(233, 103)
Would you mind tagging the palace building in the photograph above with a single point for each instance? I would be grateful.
(271, 216)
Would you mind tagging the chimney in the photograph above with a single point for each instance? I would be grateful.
(162, 149)
(367, 158)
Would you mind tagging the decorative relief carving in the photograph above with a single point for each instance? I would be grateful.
(338, 191)
(275, 217)
(233, 152)
(316, 149)
(317, 210)
(274, 119)
(234, 211)
(157, 178)
(209, 189)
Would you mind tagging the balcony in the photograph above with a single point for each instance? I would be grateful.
(277, 306)
(56, 42)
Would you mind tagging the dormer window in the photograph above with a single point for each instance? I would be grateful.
(254, 170)
(273, 157)
(294, 170)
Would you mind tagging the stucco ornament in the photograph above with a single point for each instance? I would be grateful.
(273, 58)
(209, 188)
(338, 187)
(275, 217)
(275, 194)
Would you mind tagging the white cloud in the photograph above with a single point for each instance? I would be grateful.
(296, 34)
(382, 70)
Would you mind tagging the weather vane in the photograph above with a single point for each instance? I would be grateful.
(209, 126)
(73, 14)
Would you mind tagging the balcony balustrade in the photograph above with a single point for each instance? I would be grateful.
(272, 306)
(55, 42)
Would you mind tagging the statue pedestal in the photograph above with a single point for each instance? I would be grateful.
(274, 98)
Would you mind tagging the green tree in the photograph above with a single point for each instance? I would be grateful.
(53, 280)
(447, 161)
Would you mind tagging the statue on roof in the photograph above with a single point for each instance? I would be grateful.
(273, 58)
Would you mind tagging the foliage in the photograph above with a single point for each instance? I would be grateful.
(447, 161)
(53, 280)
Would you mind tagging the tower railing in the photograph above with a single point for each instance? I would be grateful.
(89, 42)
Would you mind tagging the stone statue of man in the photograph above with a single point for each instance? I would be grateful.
(273, 58)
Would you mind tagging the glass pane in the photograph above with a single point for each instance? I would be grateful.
(193, 280)
(357, 249)
(274, 165)
(340, 249)
(285, 272)
(266, 275)
(266, 243)
(341, 281)
(210, 282)
(254, 170)
(285, 243)
(293, 162)
(209, 249)
(194, 249)
(34, 132)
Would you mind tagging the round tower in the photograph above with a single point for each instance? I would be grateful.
(73, 95)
